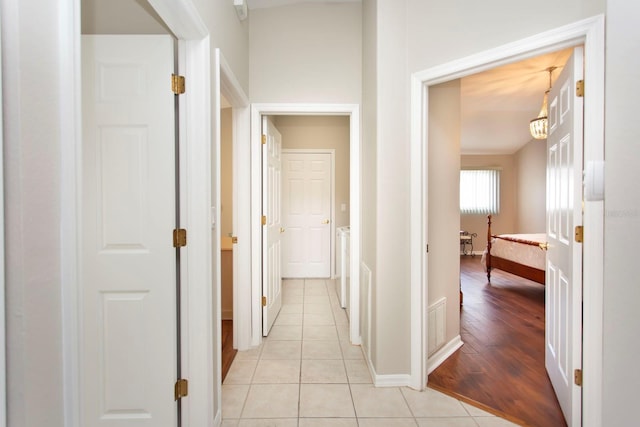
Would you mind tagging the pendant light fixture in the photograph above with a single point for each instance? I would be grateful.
(538, 126)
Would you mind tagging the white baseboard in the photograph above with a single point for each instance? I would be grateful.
(395, 380)
(217, 421)
(443, 354)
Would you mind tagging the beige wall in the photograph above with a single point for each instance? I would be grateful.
(304, 132)
(622, 215)
(306, 53)
(522, 193)
(505, 221)
(444, 201)
(226, 172)
(531, 189)
(120, 17)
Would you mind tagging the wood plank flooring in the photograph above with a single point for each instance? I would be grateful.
(228, 353)
(501, 365)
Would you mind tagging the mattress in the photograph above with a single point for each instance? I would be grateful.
(520, 253)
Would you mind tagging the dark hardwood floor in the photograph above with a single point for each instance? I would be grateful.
(500, 367)
(228, 353)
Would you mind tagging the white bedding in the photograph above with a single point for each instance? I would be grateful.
(529, 255)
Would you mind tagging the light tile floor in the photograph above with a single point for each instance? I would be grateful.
(307, 374)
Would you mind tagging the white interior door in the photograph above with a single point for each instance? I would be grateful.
(271, 229)
(128, 276)
(563, 335)
(306, 213)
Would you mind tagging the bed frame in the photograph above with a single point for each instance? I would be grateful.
(494, 262)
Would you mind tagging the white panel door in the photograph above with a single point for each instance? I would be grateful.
(563, 335)
(271, 229)
(306, 213)
(128, 276)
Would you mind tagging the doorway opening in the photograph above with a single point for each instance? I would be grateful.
(590, 33)
(290, 110)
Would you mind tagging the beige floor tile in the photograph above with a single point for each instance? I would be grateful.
(323, 372)
(289, 319)
(322, 308)
(328, 422)
(315, 290)
(281, 350)
(357, 371)
(253, 354)
(317, 299)
(229, 423)
(321, 350)
(277, 372)
(343, 331)
(340, 317)
(233, 398)
(476, 412)
(493, 422)
(292, 299)
(430, 403)
(378, 402)
(350, 351)
(272, 401)
(290, 284)
(291, 308)
(277, 422)
(325, 401)
(241, 372)
(314, 282)
(285, 333)
(387, 422)
(319, 319)
(446, 422)
(319, 333)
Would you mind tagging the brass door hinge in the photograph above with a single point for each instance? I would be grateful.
(234, 239)
(181, 389)
(579, 233)
(177, 84)
(580, 88)
(577, 377)
(264, 301)
(264, 139)
(179, 237)
(264, 220)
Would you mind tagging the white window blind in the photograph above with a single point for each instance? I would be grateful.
(480, 191)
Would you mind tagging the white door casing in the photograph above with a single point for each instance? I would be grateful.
(271, 229)
(128, 353)
(563, 323)
(306, 214)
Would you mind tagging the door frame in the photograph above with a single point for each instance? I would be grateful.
(332, 195)
(254, 307)
(195, 61)
(590, 33)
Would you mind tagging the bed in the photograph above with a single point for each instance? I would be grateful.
(521, 254)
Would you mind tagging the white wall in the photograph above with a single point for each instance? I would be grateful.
(31, 59)
(622, 215)
(306, 53)
(531, 190)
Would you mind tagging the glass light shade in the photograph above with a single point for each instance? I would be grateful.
(538, 126)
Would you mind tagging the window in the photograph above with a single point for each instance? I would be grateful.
(480, 191)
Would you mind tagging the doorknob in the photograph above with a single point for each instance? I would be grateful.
(326, 221)
(282, 229)
(544, 246)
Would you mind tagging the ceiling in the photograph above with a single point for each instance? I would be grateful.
(498, 104)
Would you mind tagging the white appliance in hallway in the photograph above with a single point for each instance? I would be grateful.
(343, 266)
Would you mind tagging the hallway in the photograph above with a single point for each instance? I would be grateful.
(306, 373)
